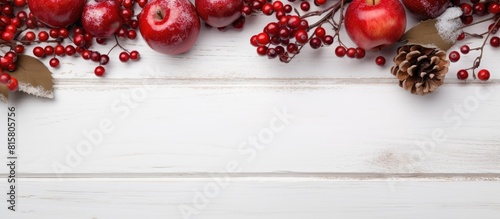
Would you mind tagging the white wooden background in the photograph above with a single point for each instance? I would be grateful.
(355, 146)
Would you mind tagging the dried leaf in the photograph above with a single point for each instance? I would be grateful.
(4, 93)
(34, 77)
(425, 33)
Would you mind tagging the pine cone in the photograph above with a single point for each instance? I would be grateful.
(420, 69)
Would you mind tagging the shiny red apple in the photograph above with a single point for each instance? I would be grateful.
(219, 13)
(57, 13)
(169, 26)
(101, 18)
(374, 24)
(426, 9)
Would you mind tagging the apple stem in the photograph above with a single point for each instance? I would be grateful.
(158, 12)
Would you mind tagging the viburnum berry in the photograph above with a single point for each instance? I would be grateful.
(54, 62)
(5, 62)
(287, 8)
(43, 36)
(495, 41)
(320, 32)
(263, 39)
(483, 75)
(38, 51)
(142, 3)
(4, 78)
(79, 40)
(278, 5)
(466, 9)
(7, 36)
(328, 40)
(301, 36)
(104, 59)
(49, 50)
(54, 33)
(271, 53)
(267, 9)
(12, 67)
(494, 7)
(63, 33)
(13, 84)
(360, 53)
(303, 25)
(305, 6)
(19, 49)
(124, 56)
(293, 22)
(134, 55)
(20, 3)
(30, 36)
(59, 50)
(262, 50)
(462, 74)
(86, 54)
(70, 50)
(340, 51)
(464, 49)
(454, 56)
(467, 19)
(380, 60)
(95, 56)
(132, 34)
(351, 52)
(315, 42)
(292, 48)
(99, 71)
(280, 50)
(319, 2)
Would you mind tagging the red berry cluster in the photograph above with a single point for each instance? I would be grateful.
(472, 9)
(19, 28)
(10, 81)
(479, 8)
(285, 37)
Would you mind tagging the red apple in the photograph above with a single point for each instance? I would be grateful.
(219, 13)
(373, 24)
(169, 26)
(57, 13)
(101, 18)
(426, 9)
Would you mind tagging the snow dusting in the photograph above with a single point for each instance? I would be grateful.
(449, 24)
(37, 91)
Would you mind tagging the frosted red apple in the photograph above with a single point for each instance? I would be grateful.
(219, 13)
(373, 24)
(169, 26)
(426, 9)
(57, 13)
(101, 18)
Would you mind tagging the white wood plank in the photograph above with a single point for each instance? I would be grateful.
(193, 126)
(254, 198)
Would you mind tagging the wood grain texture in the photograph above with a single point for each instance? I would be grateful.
(254, 198)
(193, 126)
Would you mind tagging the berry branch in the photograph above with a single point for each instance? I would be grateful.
(286, 37)
(479, 9)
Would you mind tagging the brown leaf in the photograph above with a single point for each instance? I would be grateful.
(425, 33)
(34, 77)
(4, 93)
